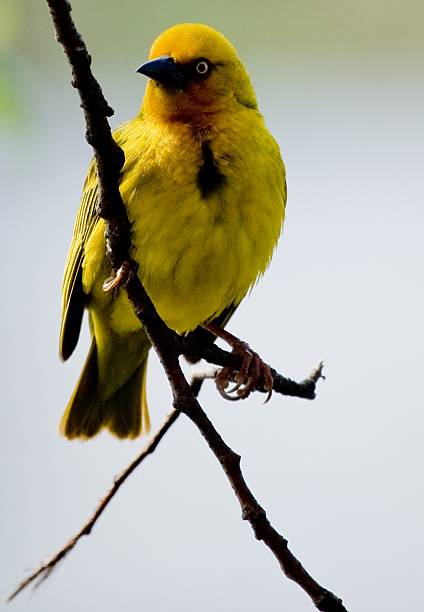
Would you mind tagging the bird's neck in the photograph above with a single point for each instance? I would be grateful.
(200, 115)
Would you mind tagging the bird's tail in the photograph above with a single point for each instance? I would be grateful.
(111, 392)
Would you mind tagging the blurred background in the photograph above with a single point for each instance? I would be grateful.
(340, 84)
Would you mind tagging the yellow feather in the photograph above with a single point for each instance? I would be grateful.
(204, 186)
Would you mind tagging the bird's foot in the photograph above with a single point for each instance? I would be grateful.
(253, 373)
(119, 279)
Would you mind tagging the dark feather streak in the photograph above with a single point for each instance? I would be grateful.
(73, 318)
(209, 177)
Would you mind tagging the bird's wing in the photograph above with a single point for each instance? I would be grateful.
(73, 298)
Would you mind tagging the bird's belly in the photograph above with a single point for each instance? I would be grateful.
(195, 265)
(196, 257)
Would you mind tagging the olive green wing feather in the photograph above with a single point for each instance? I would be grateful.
(73, 297)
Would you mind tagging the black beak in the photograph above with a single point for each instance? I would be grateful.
(165, 71)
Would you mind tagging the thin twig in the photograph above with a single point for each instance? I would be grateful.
(304, 389)
(165, 341)
(44, 571)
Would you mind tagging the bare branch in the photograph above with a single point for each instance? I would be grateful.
(166, 343)
(44, 571)
(282, 385)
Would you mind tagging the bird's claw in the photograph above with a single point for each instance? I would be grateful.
(221, 380)
(119, 279)
(253, 374)
(235, 388)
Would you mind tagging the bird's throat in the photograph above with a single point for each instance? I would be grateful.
(200, 112)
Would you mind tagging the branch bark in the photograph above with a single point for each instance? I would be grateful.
(167, 344)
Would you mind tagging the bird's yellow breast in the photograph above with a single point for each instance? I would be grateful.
(200, 245)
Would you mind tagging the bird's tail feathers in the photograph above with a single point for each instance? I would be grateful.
(124, 413)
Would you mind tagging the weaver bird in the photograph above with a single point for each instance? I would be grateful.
(204, 188)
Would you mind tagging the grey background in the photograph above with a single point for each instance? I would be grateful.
(340, 84)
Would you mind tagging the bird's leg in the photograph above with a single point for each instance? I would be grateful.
(119, 279)
(253, 372)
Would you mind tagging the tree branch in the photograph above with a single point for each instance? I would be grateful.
(166, 343)
(46, 568)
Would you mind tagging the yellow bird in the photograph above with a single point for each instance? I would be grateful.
(205, 191)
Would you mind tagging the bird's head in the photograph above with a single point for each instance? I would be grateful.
(194, 72)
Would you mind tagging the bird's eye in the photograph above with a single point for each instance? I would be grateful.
(202, 67)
